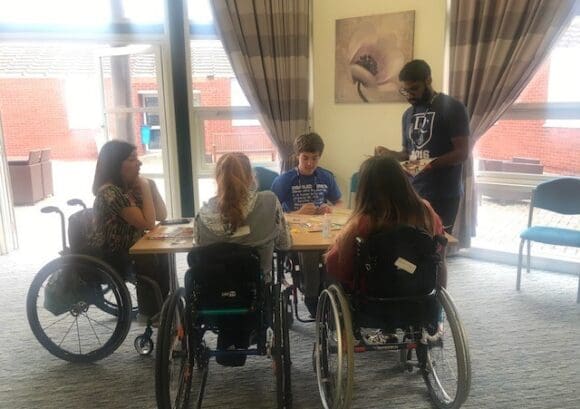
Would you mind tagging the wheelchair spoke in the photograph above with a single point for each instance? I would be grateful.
(68, 331)
(60, 294)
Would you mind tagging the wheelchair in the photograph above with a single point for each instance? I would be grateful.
(290, 265)
(395, 291)
(78, 307)
(224, 292)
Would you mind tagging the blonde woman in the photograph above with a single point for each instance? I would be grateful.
(239, 214)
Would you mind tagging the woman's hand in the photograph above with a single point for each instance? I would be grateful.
(142, 213)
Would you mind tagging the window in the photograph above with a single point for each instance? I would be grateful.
(150, 129)
(80, 12)
(562, 83)
(227, 122)
(239, 99)
(82, 112)
(544, 122)
(536, 139)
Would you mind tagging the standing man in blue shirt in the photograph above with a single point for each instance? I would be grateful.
(436, 127)
(308, 189)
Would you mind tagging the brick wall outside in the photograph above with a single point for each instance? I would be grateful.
(557, 148)
(34, 116)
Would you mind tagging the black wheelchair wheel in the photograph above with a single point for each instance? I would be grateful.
(62, 313)
(287, 363)
(444, 358)
(178, 349)
(281, 351)
(108, 304)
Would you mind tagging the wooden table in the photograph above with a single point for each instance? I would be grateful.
(163, 240)
(306, 230)
(306, 234)
(159, 241)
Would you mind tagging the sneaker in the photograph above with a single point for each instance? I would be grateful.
(378, 338)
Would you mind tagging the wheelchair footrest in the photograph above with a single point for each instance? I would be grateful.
(233, 357)
(385, 347)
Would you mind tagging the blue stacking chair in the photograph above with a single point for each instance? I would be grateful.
(353, 188)
(561, 196)
(264, 177)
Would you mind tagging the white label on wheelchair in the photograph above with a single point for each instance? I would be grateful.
(229, 294)
(405, 265)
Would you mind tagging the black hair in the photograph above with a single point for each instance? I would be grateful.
(108, 169)
(415, 70)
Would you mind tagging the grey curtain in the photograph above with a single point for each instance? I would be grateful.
(267, 42)
(496, 46)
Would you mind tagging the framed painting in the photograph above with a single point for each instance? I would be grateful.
(370, 52)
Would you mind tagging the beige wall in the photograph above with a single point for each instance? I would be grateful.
(350, 131)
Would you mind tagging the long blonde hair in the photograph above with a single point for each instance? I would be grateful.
(234, 183)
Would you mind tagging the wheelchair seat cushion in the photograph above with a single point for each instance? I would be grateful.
(224, 275)
(400, 262)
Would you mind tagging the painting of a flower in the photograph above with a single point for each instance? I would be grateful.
(370, 51)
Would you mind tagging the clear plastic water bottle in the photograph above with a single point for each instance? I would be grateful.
(326, 225)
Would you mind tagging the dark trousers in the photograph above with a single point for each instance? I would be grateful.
(446, 208)
(152, 276)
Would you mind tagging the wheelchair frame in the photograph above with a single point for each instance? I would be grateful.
(337, 326)
(98, 316)
(181, 343)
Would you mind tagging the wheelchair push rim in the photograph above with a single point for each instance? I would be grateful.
(178, 352)
(444, 358)
(334, 337)
(63, 310)
(281, 351)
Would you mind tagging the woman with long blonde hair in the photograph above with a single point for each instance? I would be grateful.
(384, 198)
(239, 214)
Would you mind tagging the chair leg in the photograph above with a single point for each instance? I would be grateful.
(529, 254)
(519, 278)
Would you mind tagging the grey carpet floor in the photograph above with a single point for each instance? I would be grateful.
(525, 352)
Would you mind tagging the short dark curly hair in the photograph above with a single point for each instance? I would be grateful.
(415, 70)
(309, 142)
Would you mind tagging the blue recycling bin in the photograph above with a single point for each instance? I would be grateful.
(145, 135)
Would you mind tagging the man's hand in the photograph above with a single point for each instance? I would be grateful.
(324, 208)
(382, 151)
(308, 208)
